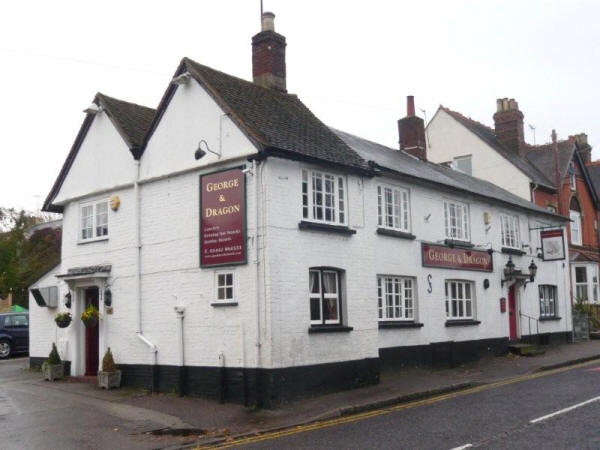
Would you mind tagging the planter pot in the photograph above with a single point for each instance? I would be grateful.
(63, 323)
(53, 372)
(109, 380)
(91, 323)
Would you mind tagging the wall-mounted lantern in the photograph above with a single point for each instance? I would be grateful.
(68, 300)
(108, 297)
(510, 273)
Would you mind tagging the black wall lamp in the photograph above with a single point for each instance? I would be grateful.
(108, 297)
(200, 153)
(68, 300)
(510, 273)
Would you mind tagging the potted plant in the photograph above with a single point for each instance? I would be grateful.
(90, 316)
(109, 377)
(52, 368)
(63, 319)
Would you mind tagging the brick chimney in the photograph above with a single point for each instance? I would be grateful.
(583, 148)
(555, 156)
(268, 55)
(508, 121)
(412, 132)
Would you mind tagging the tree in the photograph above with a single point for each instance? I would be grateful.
(23, 260)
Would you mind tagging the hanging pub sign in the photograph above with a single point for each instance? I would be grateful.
(456, 258)
(553, 245)
(223, 218)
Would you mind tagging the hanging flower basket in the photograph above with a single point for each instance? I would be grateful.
(90, 316)
(63, 320)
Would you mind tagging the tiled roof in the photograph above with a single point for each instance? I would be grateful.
(488, 135)
(542, 157)
(427, 172)
(594, 171)
(279, 122)
(132, 119)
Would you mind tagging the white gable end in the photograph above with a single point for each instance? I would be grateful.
(102, 163)
(449, 139)
(192, 115)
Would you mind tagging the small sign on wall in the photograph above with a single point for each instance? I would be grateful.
(553, 245)
(223, 218)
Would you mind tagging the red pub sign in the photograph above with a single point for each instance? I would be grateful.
(223, 218)
(456, 258)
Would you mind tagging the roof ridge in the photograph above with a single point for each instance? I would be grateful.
(100, 94)
(451, 111)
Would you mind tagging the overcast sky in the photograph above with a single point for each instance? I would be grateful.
(352, 62)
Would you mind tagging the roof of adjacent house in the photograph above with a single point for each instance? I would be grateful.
(488, 135)
(407, 165)
(594, 171)
(542, 157)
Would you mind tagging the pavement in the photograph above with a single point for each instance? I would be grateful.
(136, 419)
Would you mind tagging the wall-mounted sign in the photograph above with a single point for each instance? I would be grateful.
(223, 218)
(553, 245)
(456, 258)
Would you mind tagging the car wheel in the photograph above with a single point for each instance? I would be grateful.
(5, 349)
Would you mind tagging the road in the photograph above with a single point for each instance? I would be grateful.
(35, 414)
(534, 413)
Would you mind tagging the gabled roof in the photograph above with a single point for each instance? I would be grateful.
(488, 135)
(277, 123)
(403, 164)
(542, 156)
(131, 121)
(594, 171)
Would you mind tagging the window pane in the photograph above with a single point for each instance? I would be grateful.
(314, 283)
(315, 313)
(329, 282)
(330, 310)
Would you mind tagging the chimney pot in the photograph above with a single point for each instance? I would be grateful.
(268, 55)
(410, 106)
(268, 21)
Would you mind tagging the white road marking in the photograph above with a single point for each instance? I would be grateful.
(562, 411)
(462, 447)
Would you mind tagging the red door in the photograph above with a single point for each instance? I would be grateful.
(512, 313)
(91, 336)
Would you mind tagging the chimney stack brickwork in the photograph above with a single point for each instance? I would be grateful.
(412, 132)
(508, 121)
(268, 56)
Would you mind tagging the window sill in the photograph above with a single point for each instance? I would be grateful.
(316, 226)
(461, 322)
(512, 251)
(329, 329)
(89, 241)
(549, 319)
(395, 233)
(454, 243)
(219, 304)
(399, 324)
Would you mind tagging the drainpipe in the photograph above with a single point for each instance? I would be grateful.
(557, 172)
(138, 277)
(180, 311)
(257, 290)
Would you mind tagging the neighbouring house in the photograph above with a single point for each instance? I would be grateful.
(555, 176)
(238, 248)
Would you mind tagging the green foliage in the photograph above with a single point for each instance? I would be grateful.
(63, 317)
(108, 363)
(53, 357)
(90, 313)
(589, 309)
(23, 259)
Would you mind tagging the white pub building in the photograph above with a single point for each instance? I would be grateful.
(238, 248)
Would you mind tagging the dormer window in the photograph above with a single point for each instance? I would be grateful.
(463, 164)
(94, 221)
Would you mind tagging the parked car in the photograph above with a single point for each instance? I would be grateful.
(14, 334)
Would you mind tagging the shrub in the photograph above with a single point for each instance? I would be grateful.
(108, 363)
(53, 357)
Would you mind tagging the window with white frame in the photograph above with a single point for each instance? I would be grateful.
(510, 231)
(460, 299)
(463, 164)
(547, 300)
(393, 208)
(396, 298)
(572, 176)
(456, 219)
(94, 220)
(581, 284)
(323, 197)
(225, 292)
(325, 296)
(575, 217)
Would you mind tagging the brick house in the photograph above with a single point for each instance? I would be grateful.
(555, 176)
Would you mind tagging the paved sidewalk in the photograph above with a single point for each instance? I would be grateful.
(206, 420)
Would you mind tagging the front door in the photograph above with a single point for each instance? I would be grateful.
(91, 336)
(512, 313)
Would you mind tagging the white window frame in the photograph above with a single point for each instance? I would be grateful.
(98, 222)
(337, 206)
(225, 286)
(575, 226)
(463, 301)
(581, 286)
(572, 177)
(548, 302)
(589, 286)
(322, 296)
(461, 158)
(393, 208)
(396, 298)
(460, 230)
(509, 226)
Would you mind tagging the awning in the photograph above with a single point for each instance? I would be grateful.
(86, 272)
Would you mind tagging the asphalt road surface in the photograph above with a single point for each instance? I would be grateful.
(555, 411)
